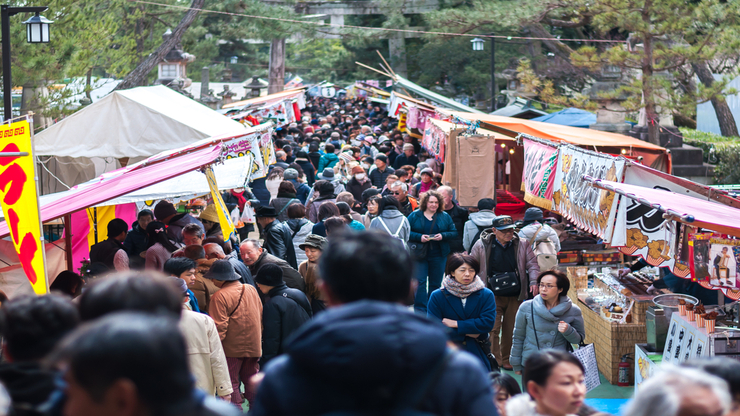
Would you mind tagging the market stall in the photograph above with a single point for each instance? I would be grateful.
(280, 108)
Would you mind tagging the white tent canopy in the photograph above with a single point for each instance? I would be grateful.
(139, 122)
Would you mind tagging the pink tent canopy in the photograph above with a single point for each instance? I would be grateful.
(122, 181)
(684, 208)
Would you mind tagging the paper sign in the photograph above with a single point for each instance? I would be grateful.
(224, 216)
(538, 177)
(20, 202)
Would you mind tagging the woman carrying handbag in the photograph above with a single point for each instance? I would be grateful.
(431, 229)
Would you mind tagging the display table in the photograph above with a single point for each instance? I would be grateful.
(611, 340)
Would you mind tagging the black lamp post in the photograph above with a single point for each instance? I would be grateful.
(478, 46)
(37, 31)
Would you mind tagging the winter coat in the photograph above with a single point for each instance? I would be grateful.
(523, 405)
(285, 311)
(403, 160)
(356, 187)
(443, 225)
(525, 259)
(308, 170)
(546, 322)
(314, 158)
(177, 223)
(327, 161)
(29, 386)
(291, 277)
(302, 191)
(105, 251)
(459, 216)
(281, 204)
(205, 353)
(241, 269)
(377, 178)
(480, 220)
(278, 241)
(239, 323)
(259, 189)
(203, 289)
(409, 206)
(547, 232)
(135, 244)
(300, 229)
(156, 256)
(415, 189)
(313, 206)
(476, 317)
(396, 223)
(351, 354)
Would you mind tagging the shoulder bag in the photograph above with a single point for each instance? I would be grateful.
(418, 250)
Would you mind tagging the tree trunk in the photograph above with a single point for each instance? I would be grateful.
(727, 124)
(137, 77)
(648, 93)
(277, 66)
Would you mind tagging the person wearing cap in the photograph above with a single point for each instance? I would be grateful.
(379, 175)
(166, 213)
(329, 176)
(135, 243)
(302, 191)
(478, 221)
(313, 246)
(211, 223)
(408, 157)
(535, 230)
(358, 183)
(237, 311)
(508, 262)
(426, 184)
(276, 235)
(328, 160)
(366, 146)
(308, 169)
(284, 311)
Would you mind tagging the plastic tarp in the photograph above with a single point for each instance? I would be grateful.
(139, 122)
(437, 99)
(574, 117)
(125, 180)
(685, 208)
(602, 141)
(267, 100)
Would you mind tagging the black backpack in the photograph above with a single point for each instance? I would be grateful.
(410, 396)
(477, 235)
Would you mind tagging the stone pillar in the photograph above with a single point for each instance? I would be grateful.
(397, 47)
(336, 21)
(277, 66)
(204, 80)
(610, 115)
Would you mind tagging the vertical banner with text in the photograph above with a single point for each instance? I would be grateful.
(20, 201)
(224, 216)
(540, 163)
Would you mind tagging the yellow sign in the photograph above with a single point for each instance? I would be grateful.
(20, 202)
(224, 217)
(402, 122)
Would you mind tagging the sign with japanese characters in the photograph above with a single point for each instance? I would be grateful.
(540, 162)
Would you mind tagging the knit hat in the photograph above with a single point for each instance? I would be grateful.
(357, 169)
(313, 241)
(383, 158)
(164, 209)
(427, 171)
(222, 270)
(210, 213)
(533, 214)
(179, 285)
(408, 146)
(327, 174)
(290, 173)
(269, 274)
(347, 157)
(382, 139)
(369, 160)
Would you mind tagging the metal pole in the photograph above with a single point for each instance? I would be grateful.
(7, 82)
(493, 73)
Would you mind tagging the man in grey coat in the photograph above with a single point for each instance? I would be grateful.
(499, 251)
(478, 222)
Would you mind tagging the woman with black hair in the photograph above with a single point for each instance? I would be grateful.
(390, 219)
(160, 247)
(504, 388)
(327, 210)
(465, 306)
(555, 381)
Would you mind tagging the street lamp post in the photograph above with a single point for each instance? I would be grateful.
(37, 31)
(478, 46)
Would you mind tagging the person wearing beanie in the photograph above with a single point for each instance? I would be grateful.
(382, 171)
(536, 231)
(308, 169)
(302, 191)
(359, 182)
(111, 251)
(426, 184)
(166, 213)
(285, 310)
(477, 222)
(408, 157)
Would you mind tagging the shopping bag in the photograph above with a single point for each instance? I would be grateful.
(587, 355)
(248, 216)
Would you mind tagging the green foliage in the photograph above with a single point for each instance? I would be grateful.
(723, 152)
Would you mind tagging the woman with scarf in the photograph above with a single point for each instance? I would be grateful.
(465, 306)
(427, 183)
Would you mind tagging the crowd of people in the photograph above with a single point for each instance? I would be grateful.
(369, 290)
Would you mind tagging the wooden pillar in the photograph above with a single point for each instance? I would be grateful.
(277, 66)
(68, 241)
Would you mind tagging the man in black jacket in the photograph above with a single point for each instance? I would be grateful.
(277, 236)
(136, 240)
(111, 251)
(284, 312)
(382, 171)
(255, 257)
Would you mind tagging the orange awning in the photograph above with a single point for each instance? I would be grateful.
(601, 141)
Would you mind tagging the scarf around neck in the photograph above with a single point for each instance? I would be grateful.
(460, 290)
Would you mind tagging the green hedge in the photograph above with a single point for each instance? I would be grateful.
(722, 152)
